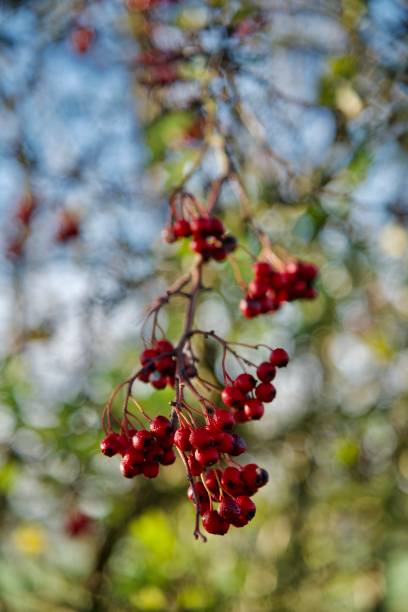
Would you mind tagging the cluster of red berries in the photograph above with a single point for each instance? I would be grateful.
(246, 396)
(159, 365)
(232, 488)
(270, 288)
(208, 237)
(143, 450)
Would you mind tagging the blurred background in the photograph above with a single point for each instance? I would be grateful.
(105, 106)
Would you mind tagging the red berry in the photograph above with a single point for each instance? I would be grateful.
(154, 453)
(131, 464)
(161, 427)
(229, 509)
(265, 392)
(226, 443)
(215, 227)
(222, 420)
(213, 523)
(266, 372)
(150, 470)
(157, 381)
(166, 442)
(166, 365)
(254, 409)
(142, 440)
(206, 456)
(247, 507)
(245, 382)
(250, 308)
(181, 228)
(279, 358)
(194, 467)
(262, 269)
(201, 246)
(240, 416)
(239, 446)
(218, 253)
(211, 481)
(168, 457)
(254, 477)
(201, 437)
(163, 346)
(201, 227)
(258, 287)
(233, 397)
(111, 445)
(231, 481)
(148, 357)
(82, 39)
(182, 438)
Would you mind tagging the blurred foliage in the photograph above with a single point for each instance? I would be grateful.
(323, 156)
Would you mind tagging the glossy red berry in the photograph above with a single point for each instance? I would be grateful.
(266, 371)
(233, 397)
(166, 365)
(206, 456)
(225, 443)
(151, 470)
(265, 392)
(182, 438)
(201, 437)
(231, 481)
(245, 382)
(131, 464)
(211, 479)
(148, 357)
(181, 228)
(163, 346)
(222, 420)
(247, 507)
(201, 227)
(154, 453)
(194, 466)
(262, 269)
(254, 409)
(250, 308)
(143, 439)
(239, 446)
(111, 445)
(168, 457)
(279, 358)
(216, 227)
(229, 509)
(213, 523)
(254, 476)
(161, 427)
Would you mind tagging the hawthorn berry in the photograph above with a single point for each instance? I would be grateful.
(254, 409)
(206, 456)
(247, 506)
(265, 392)
(233, 397)
(151, 469)
(222, 420)
(229, 509)
(213, 523)
(111, 445)
(245, 382)
(266, 372)
(182, 228)
(161, 427)
(239, 446)
(143, 439)
(279, 358)
(201, 437)
(182, 438)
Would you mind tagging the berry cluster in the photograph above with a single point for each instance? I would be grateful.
(208, 236)
(159, 365)
(270, 288)
(246, 396)
(143, 450)
(230, 485)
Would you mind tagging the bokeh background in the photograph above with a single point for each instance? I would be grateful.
(310, 99)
